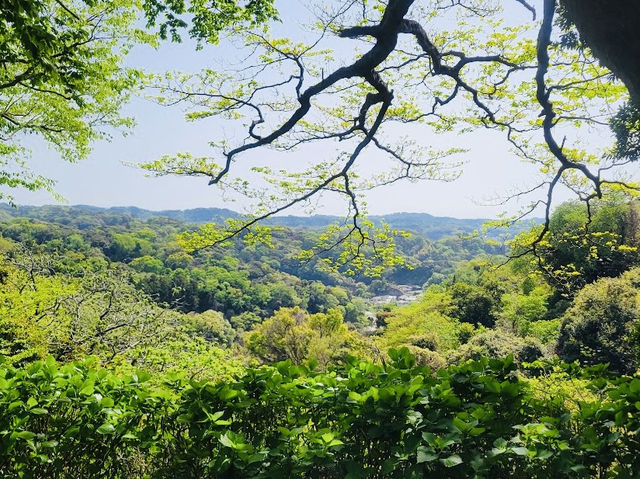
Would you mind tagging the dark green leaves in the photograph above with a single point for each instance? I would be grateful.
(360, 420)
(208, 19)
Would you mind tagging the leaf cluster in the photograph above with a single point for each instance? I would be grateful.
(363, 420)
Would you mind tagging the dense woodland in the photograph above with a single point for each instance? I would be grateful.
(165, 346)
(210, 344)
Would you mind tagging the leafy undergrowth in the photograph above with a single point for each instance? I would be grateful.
(478, 419)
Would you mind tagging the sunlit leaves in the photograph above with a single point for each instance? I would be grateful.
(63, 77)
(364, 248)
(182, 164)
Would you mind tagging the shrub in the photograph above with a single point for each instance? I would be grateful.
(546, 331)
(429, 341)
(599, 326)
(465, 332)
(499, 344)
(473, 304)
(361, 420)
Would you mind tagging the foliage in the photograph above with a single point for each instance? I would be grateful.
(70, 317)
(532, 81)
(472, 304)
(498, 344)
(63, 78)
(584, 244)
(208, 20)
(409, 325)
(602, 323)
(361, 420)
(521, 312)
(235, 280)
(298, 336)
(626, 127)
(126, 292)
(422, 411)
(212, 327)
(545, 331)
(48, 307)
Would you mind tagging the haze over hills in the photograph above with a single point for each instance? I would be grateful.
(423, 224)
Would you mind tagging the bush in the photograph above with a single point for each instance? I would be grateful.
(362, 420)
(293, 334)
(472, 304)
(499, 344)
(212, 327)
(427, 357)
(545, 331)
(600, 325)
(429, 341)
(465, 332)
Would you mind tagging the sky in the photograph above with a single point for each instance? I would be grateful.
(491, 170)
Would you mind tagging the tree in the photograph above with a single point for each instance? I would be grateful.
(212, 326)
(293, 334)
(472, 304)
(586, 242)
(519, 311)
(63, 78)
(601, 326)
(499, 344)
(521, 77)
(44, 312)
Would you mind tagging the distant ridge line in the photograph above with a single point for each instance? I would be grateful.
(430, 226)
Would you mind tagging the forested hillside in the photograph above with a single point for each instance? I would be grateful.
(131, 235)
(423, 224)
(122, 292)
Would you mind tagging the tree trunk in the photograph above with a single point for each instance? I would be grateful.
(612, 30)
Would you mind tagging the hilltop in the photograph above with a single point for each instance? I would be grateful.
(423, 224)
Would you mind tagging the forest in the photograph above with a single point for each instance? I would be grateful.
(279, 341)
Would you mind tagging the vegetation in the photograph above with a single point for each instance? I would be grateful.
(144, 359)
(64, 77)
(211, 344)
(359, 420)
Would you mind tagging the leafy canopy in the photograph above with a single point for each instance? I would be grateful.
(63, 77)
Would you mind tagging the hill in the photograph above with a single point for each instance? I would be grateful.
(422, 224)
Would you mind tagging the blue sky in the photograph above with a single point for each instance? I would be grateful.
(491, 170)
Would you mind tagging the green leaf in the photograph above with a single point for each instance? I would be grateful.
(106, 429)
(451, 461)
(520, 451)
(460, 425)
(500, 443)
(87, 390)
(227, 393)
(544, 454)
(327, 437)
(426, 455)
(26, 435)
(225, 440)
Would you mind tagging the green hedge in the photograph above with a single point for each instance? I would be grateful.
(479, 419)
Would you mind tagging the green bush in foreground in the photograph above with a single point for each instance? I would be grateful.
(478, 419)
